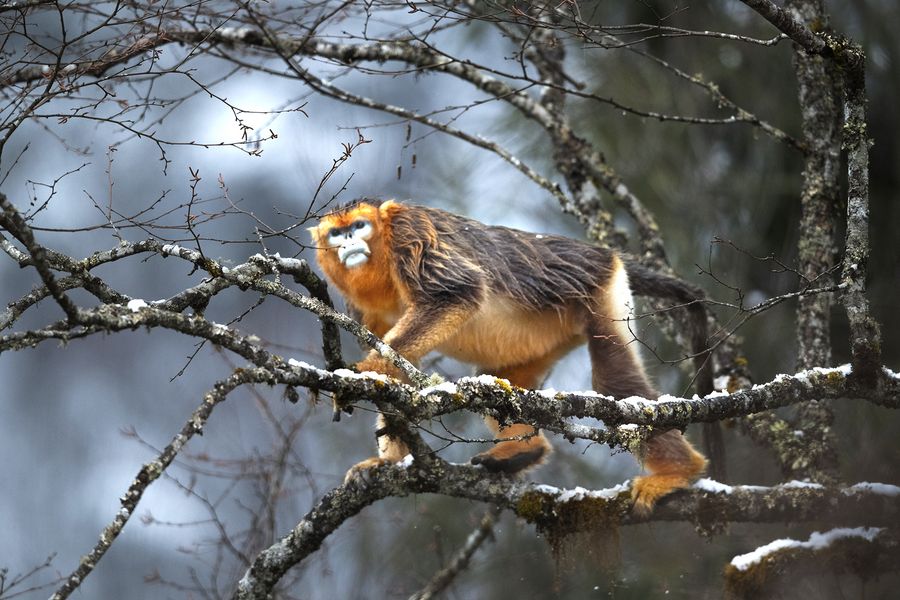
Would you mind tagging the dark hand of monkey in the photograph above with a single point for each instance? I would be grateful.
(512, 464)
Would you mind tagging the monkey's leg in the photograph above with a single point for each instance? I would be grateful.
(390, 450)
(515, 455)
(671, 461)
(414, 335)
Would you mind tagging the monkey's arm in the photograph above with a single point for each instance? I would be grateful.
(417, 332)
(441, 287)
(421, 329)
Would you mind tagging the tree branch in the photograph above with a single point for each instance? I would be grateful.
(865, 336)
(709, 505)
(149, 473)
(785, 22)
(13, 222)
(460, 561)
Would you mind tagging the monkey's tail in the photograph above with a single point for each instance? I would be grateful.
(653, 284)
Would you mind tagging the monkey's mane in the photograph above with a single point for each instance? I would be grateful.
(536, 271)
(349, 205)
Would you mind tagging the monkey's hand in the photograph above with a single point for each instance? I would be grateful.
(646, 491)
(375, 362)
(512, 464)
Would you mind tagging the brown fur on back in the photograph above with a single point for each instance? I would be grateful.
(535, 271)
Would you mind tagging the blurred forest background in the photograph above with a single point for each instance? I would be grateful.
(77, 421)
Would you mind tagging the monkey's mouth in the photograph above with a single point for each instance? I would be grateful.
(353, 257)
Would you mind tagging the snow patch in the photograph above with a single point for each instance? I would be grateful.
(289, 263)
(816, 541)
(446, 387)
(802, 484)
(637, 401)
(713, 486)
(885, 489)
(580, 493)
(299, 363)
(348, 374)
(804, 375)
(484, 379)
(589, 394)
(668, 398)
(344, 373)
(136, 305)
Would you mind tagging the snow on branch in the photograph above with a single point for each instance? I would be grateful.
(816, 541)
(862, 551)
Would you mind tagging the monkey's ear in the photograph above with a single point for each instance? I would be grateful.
(388, 209)
(314, 232)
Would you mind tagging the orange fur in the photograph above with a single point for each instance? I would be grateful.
(369, 288)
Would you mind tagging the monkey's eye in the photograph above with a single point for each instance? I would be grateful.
(335, 236)
(362, 229)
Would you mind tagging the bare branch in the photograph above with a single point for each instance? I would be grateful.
(149, 473)
(460, 561)
(13, 222)
(784, 21)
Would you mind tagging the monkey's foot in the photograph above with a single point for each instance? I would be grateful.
(505, 461)
(357, 473)
(646, 491)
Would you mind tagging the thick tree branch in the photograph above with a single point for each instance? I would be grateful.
(785, 22)
(819, 96)
(865, 552)
(708, 505)
(865, 336)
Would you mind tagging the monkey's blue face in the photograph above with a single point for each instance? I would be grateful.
(350, 241)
